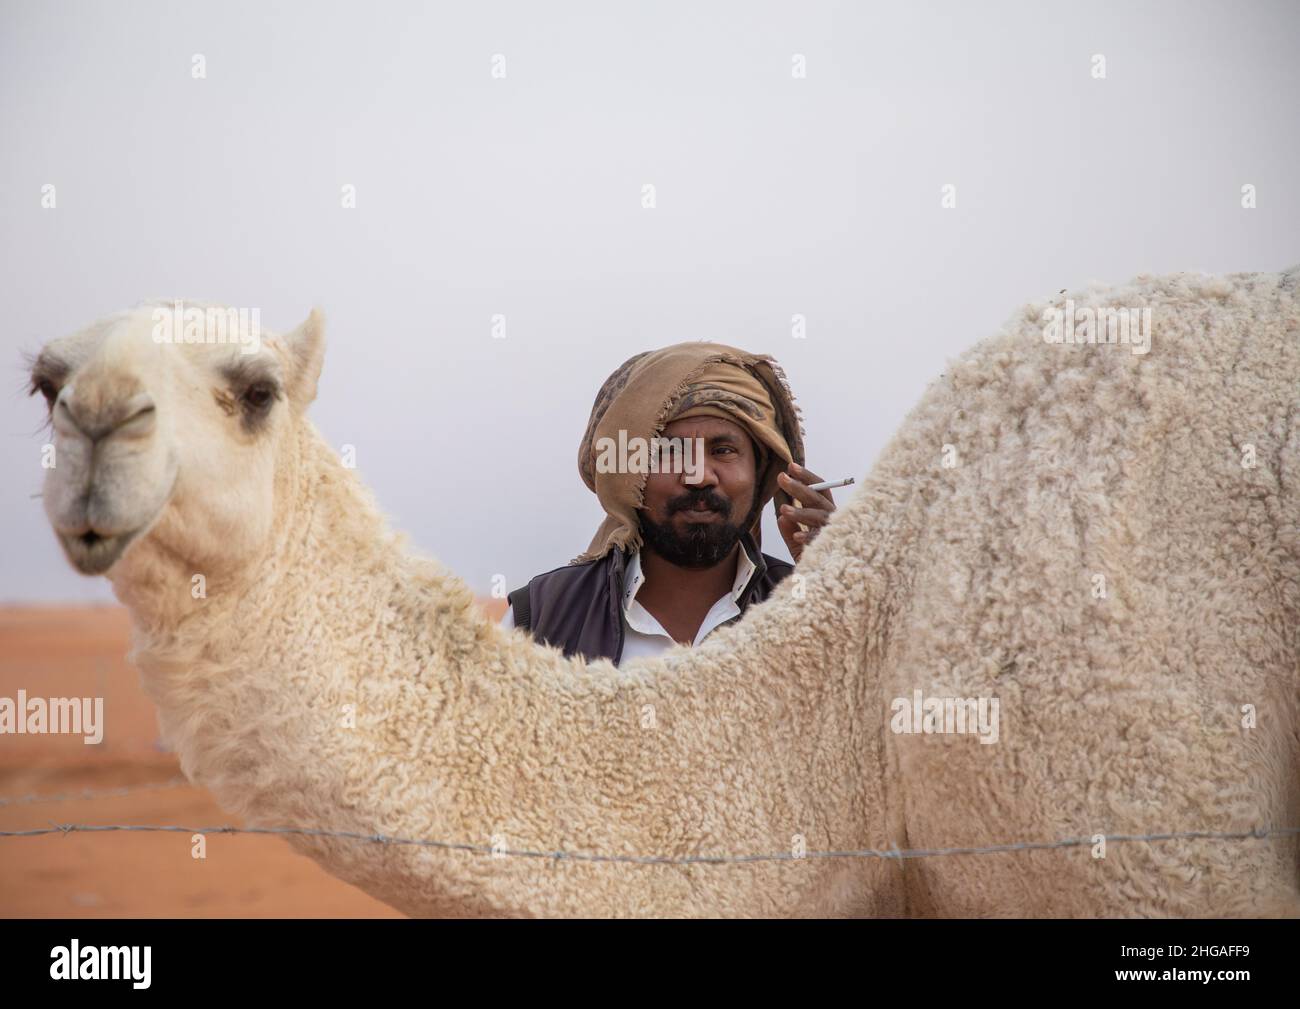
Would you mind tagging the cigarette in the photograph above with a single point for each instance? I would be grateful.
(831, 484)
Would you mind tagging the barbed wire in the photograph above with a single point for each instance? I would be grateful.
(1259, 833)
(91, 793)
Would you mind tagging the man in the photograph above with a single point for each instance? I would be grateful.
(678, 553)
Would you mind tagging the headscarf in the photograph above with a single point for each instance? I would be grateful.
(653, 389)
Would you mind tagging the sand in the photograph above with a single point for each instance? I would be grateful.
(80, 652)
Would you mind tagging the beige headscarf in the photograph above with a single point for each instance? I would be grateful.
(655, 388)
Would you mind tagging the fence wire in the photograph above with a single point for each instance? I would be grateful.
(92, 793)
(1259, 833)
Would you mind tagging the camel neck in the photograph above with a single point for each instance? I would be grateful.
(356, 687)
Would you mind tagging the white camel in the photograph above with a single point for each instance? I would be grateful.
(1104, 542)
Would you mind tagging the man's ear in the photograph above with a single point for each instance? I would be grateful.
(306, 346)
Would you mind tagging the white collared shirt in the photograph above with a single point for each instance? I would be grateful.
(643, 635)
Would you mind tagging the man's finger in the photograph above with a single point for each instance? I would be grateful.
(806, 516)
(792, 535)
(798, 489)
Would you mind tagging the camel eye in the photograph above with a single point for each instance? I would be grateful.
(47, 387)
(259, 396)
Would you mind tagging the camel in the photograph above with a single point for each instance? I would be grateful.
(1100, 541)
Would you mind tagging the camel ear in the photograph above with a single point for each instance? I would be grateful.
(306, 346)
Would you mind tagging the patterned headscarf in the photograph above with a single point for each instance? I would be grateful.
(653, 389)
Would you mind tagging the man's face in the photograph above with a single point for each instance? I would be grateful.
(696, 525)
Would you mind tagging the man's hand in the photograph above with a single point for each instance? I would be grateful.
(815, 511)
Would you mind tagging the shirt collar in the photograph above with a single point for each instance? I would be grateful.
(634, 577)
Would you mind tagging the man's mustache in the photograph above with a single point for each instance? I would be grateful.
(708, 497)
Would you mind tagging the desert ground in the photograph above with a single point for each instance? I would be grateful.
(128, 778)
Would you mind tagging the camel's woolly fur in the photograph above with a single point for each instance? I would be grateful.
(1120, 714)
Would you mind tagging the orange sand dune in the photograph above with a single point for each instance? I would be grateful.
(80, 652)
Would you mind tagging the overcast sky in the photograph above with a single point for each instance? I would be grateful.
(482, 195)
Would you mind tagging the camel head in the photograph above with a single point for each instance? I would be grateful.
(170, 421)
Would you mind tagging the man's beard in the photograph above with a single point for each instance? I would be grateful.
(704, 544)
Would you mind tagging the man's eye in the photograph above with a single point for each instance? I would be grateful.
(259, 396)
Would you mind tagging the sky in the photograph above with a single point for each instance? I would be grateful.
(498, 156)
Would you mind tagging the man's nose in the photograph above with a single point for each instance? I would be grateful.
(703, 469)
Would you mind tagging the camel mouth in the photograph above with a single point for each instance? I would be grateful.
(93, 553)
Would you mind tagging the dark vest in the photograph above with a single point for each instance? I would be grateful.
(579, 607)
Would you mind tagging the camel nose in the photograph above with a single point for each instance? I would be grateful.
(95, 418)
